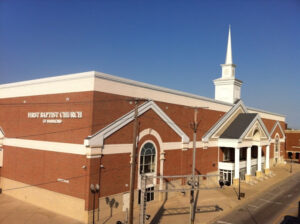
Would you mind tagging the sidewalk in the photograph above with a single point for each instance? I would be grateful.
(211, 204)
(13, 211)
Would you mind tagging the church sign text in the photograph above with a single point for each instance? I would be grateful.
(55, 117)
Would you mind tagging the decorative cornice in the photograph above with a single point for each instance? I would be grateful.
(228, 81)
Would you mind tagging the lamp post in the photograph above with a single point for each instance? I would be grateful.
(239, 186)
(291, 169)
(94, 189)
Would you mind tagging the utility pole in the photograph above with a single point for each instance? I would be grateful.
(194, 126)
(133, 164)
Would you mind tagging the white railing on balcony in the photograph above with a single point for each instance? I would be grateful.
(243, 164)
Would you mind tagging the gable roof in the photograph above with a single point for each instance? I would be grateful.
(238, 126)
(97, 139)
(245, 136)
(274, 128)
(223, 120)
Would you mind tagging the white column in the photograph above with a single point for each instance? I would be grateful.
(248, 161)
(236, 163)
(268, 157)
(259, 158)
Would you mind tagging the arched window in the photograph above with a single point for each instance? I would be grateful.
(147, 158)
(256, 135)
(276, 144)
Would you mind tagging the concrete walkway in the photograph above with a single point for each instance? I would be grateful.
(211, 204)
(13, 211)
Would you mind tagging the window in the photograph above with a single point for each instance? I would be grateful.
(243, 153)
(147, 158)
(297, 155)
(290, 155)
(226, 154)
(276, 144)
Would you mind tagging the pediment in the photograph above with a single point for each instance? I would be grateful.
(246, 130)
(257, 132)
(277, 129)
(97, 139)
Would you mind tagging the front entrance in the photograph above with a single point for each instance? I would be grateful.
(226, 176)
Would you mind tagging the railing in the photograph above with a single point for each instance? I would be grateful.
(243, 164)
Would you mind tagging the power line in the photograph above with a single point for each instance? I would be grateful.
(67, 178)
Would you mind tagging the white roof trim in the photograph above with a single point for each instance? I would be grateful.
(225, 117)
(1, 133)
(85, 81)
(274, 127)
(97, 140)
(257, 118)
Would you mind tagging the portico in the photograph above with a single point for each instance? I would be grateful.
(245, 145)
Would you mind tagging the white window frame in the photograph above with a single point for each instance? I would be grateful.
(155, 169)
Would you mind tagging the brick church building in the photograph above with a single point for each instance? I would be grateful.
(59, 135)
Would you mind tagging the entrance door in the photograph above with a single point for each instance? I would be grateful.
(226, 176)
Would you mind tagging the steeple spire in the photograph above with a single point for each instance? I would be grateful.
(228, 59)
(228, 69)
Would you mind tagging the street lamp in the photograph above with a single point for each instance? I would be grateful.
(291, 169)
(94, 189)
(239, 186)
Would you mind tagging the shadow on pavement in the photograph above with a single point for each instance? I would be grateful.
(183, 210)
(162, 211)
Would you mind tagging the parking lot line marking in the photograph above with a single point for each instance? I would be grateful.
(272, 202)
(254, 206)
(271, 193)
(223, 222)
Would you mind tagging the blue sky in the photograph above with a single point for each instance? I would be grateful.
(175, 44)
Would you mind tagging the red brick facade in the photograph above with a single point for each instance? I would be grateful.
(292, 144)
(42, 168)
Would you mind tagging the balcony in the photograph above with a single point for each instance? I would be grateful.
(230, 165)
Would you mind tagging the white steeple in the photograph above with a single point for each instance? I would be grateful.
(228, 88)
(228, 59)
(228, 69)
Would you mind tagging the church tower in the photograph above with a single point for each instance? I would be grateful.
(228, 88)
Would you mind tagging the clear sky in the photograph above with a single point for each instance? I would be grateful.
(174, 44)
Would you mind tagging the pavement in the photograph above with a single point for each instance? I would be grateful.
(13, 211)
(212, 204)
(269, 207)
